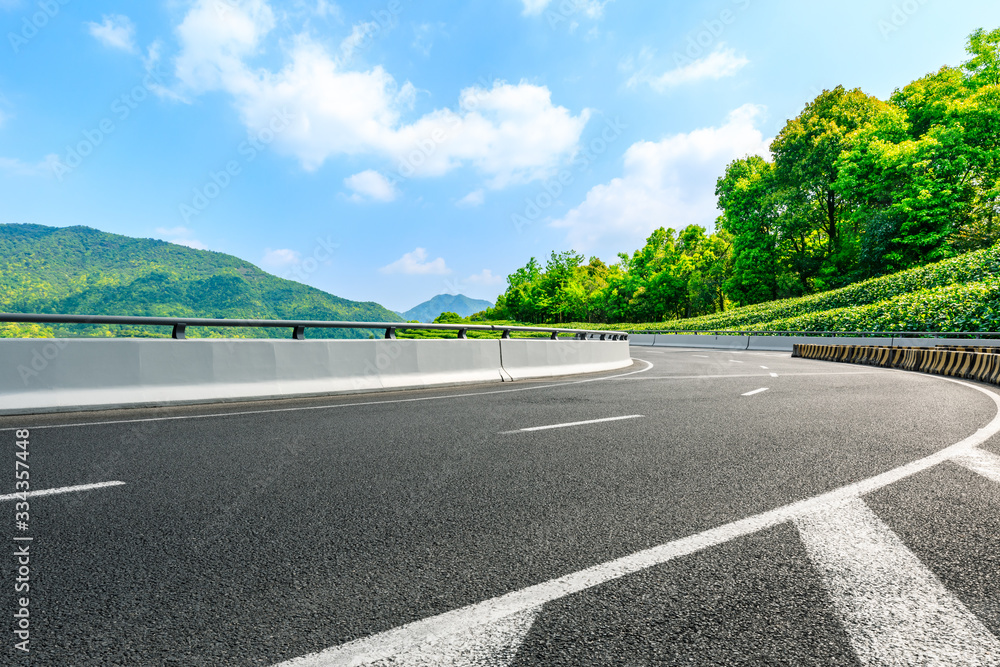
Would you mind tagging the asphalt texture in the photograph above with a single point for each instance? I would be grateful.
(253, 533)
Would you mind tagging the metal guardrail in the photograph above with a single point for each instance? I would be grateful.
(298, 327)
(831, 334)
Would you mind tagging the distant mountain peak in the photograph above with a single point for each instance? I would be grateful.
(445, 303)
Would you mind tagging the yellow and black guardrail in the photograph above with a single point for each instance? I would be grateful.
(966, 362)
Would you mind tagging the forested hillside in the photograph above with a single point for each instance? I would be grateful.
(854, 188)
(86, 271)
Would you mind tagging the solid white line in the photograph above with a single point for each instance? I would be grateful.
(588, 421)
(64, 489)
(321, 407)
(774, 375)
(744, 375)
(384, 645)
(895, 611)
(982, 462)
(755, 391)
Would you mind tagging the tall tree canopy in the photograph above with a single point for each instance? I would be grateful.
(854, 187)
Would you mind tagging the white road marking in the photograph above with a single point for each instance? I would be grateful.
(567, 424)
(494, 645)
(744, 375)
(735, 361)
(895, 610)
(385, 645)
(755, 391)
(764, 367)
(983, 462)
(700, 356)
(64, 489)
(328, 407)
(774, 375)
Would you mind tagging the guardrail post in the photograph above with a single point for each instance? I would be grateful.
(390, 333)
(299, 333)
(461, 333)
(506, 334)
(554, 336)
(178, 332)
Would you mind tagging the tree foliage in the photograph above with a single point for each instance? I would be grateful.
(79, 270)
(854, 188)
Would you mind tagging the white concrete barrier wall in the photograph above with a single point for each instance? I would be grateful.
(701, 340)
(526, 358)
(785, 343)
(48, 375)
(642, 339)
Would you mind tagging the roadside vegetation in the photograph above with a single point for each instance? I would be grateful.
(833, 230)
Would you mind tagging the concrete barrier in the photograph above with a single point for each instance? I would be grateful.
(526, 358)
(642, 339)
(709, 341)
(785, 343)
(52, 375)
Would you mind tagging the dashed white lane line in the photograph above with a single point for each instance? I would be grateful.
(479, 617)
(735, 361)
(774, 375)
(895, 610)
(63, 489)
(764, 367)
(755, 391)
(568, 424)
(701, 356)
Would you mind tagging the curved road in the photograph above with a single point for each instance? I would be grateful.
(703, 507)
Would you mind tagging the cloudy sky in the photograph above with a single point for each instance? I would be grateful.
(392, 150)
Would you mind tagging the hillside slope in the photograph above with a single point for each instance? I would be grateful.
(83, 270)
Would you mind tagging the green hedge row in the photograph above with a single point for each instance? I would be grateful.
(961, 307)
(973, 267)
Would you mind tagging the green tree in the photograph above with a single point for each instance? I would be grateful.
(750, 216)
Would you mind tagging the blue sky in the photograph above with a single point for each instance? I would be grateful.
(393, 150)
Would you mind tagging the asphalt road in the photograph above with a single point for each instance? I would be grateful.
(693, 530)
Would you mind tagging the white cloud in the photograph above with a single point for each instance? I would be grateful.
(670, 183)
(534, 7)
(371, 185)
(280, 258)
(485, 278)
(16, 166)
(512, 133)
(722, 62)
(471, 200)
(423, 38)
(591, 8)
(180, 236)
(415, 263)
(325, 8)
(116, 32)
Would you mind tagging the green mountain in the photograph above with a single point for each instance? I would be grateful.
(445, 303)
(79, 270)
